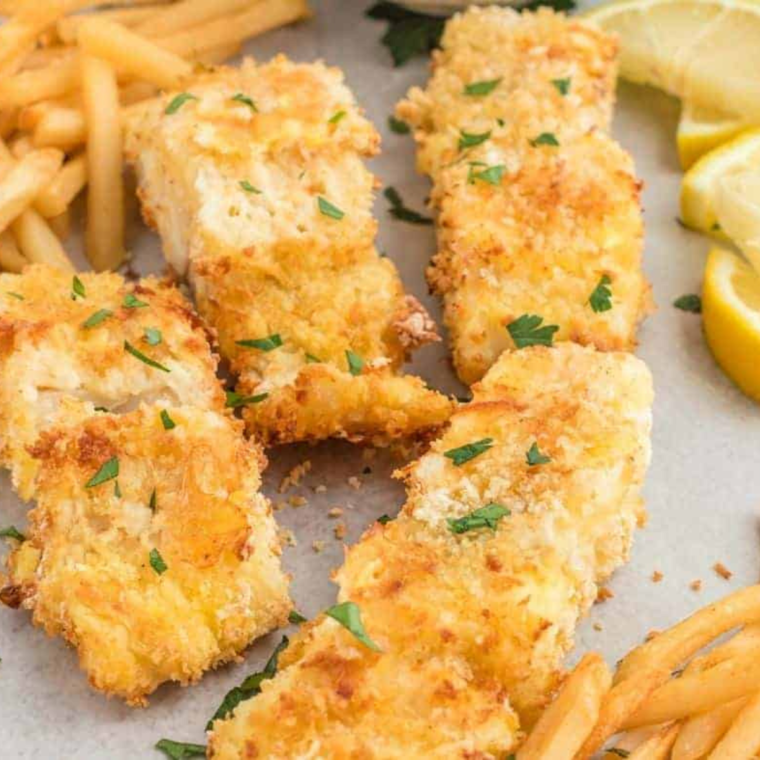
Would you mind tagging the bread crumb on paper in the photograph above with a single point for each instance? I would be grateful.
(318, 546)
(354, 482)
(294, 477)
(604, 594)
(723, 571)
(657, 576)
(696, 585)
(335, 512)
(287, 537)
(297, 501)
(340, 531)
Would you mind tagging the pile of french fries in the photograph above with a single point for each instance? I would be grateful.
(680, 695)
(68, 68)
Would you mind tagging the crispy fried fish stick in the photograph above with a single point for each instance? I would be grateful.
(540, 230)
(255, 179)
(472, 594)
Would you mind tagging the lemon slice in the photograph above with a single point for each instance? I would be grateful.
(700, 131)
(737, 207)
(731, 315)
(705, 179)
(703, 51)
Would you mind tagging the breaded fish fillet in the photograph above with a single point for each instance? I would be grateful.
(256, 180)
(514, 516)
(539, 213)
(63, 355)
(151, 550)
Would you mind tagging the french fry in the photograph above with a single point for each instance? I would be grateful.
(132, 54)
(701, 733)
(566, 723)
(742, 740)
(105, 200)
(61, 225)
(68, 27)
(21, 145)
(8, 122)
(219, 55)
(60, 127)
(23, 182)
(38, 243)
(63, 188)
(40, 84)
(48, 56)
(658, 746)
(134, 92)
(748, 637)
(11, 259)
(189, 13)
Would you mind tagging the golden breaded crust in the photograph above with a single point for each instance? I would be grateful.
(268, 209)
(88, 570)
(471, 623)
(542, 207)
(48, 355)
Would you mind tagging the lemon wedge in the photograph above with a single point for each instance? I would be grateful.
(705, 180)
(703, 51)
(731, 316)
(700, 131)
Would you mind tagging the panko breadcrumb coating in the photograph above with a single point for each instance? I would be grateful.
(538, 207)
(258, 187)
(160, 566)
(472, 618)
(63, 357)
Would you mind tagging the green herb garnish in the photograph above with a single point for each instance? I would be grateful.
(77, 289)
(398, 126)
(117, 490)
(263, 344)
(472, 140)
(485, 517)
(408, 34)
(463, 454)
(235, 400)
(527, 331)
(534, 456)
(349, 616)
(384, 519)
(108, 471)
(601, 297)
(12, 532)
(336, 117)
(248, 187)
(167, 421)
(178, 101)
(562, 85)
(296, 618)
(245, 100)
(690, 302)
(491, 174)
(131, 301)
(545, 138)
(327, 209)
(355, 362)
(311, 359)
(486, 87)
(153, 501)
(152, 336)
(130, 349)
(157, 562)
(98, 317)
(399, 211)
(17, 296)
(180, 750)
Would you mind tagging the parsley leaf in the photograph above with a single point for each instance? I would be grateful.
(131, 301)
(235, 400)
(153, 502)
(296, 618)
(17, 296)
(485, 517)
(545, 138)
(601, 297)
(534, 456)
(12, 532)
(117, 490)
(562, 85)
(337, 117)
(180, 750)
(349, 616)
(355, 363)
(327, 209)
(167, 421)
(463, 454)
(250, 687)
(157, 562)
(77, 289)
(527, 331)
(398, 126)
(690, 302)
(263, 344)
(178, 101)
(152, 336)
(472, 140)
(558, 5)
(108, 471)
(486, 87)
(408, 34)
(96, 318)
(245, 100)
(384, 519)
(248, 187)
(311, 359)
(491, 174)
(399, 211)
(130, 349)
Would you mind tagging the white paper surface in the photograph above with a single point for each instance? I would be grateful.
(703, 490)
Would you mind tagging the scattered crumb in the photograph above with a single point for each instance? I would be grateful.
(293, 478)
(696, 585)
(287, 538)
(278, 505)
(340, 531)
(598, 627)
(297, 501)
(318, 546)
(604, 594)
(354, 482)
(657, 576)
(367, 470)
(321, 488)
(722, 571)
(335, 512)
(369, 454)
(652, 634)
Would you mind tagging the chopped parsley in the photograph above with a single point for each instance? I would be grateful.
(235, 400)
(486, 87)
(527, 331)
(409, 34)
(153, 501)
(250, 687)
(399, 211)
(248, 187)
(263, 344)
(534, 456)
(167, 421)
(328, 209)
(17, 296)
(96, 318)
(131, 301)
(311, 359)
(485, 517)
(472, 139)
(601, 297)
(108, 471)
(562, 85)
(398, 126)
(337, 117)
(157, 562)
(296, 618)
(463, 454)
(178, 101)
(245, 100)
(180, 750)
(384, 519)
(349, 616)
(491, 174)
(690, 302)
(12, 532)
(618, 751)
(545, 138)
(130, 349)
(355, 362)
(77, 289)
(117, 490)
(152, 336)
